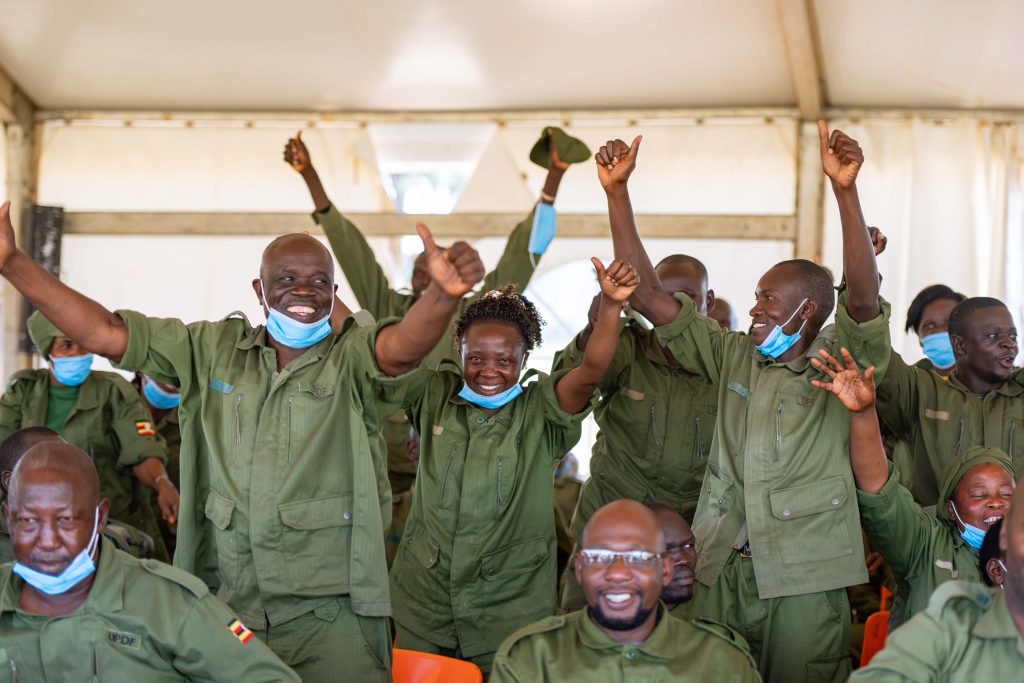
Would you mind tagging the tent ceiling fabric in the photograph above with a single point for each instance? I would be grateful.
(432, 55)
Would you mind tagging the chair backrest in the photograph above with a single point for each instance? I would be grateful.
(411, 666)
(876, 630)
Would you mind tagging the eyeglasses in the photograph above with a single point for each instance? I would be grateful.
(630, 558)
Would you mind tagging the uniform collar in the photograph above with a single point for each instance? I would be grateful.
(661, 644)
(106, 594)
(825, 339)
(996, 622)
(1011, 387)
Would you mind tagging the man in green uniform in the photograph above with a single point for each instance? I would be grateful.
(625, 633)
(101, 413)
(681, 549)
(980, 404)
(73, 608)
(969, 632)
(655, 418)
(777, 524)
(163, 400)
(285, 490)
(924, 548)
(525, 245)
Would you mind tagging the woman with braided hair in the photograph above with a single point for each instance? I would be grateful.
(477, 560)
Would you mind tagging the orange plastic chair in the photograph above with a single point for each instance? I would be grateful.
(876, 630)
(410, 666)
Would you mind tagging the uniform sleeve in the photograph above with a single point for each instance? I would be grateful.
(134, 431)
(515, 266)
(207, 650)
(571, 357)
(158, 347)
(696, 341)
(359, 264)
(11, 404)
(898, 396)
(868, 342)
(897, 526)
(564, 427)
(917, 652)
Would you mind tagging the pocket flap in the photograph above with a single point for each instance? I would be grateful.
(809, 499)
(219, 509)
(420, 544)
(317, 513)
(525, 556)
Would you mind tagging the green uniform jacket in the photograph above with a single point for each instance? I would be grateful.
(966, 634)
(374, 293)
(572, 648)
(6, 550)
(779, 471)
(656, 425)
(478, 557)
(939, 419)
(284, 488)
(143, 621)
(105, 422)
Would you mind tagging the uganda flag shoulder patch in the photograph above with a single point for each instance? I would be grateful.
(241, 632)
(145, 428)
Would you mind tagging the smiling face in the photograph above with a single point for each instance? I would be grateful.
(982, 496)
(493, 353)
(987, 349)
(297, 278)
(777, 298)
(623, 598)
(681, 549)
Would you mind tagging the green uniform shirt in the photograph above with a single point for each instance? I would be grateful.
(478, 557)
(110, 422)
(921, 551)
(283, 484)
(779, 470)
(374, 293)
(572, 648)
(142, 621)
(6, 550)
(966, 634)
(939, 419)
(656, 425)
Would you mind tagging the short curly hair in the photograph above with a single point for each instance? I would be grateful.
(501, 305)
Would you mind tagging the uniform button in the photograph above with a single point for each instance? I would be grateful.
(480, 419)
(347, 515)
(835, 501)
(631, 655)
(491, 571)
(719, 501)
(408, 541)
(786, 513)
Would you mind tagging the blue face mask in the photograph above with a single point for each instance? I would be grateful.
(77, 570)
(544, 228)
(939, 350)
(778, 342)
(972, 535)
(158, 397)
(294, 334)
(71, 370)
(491, 402)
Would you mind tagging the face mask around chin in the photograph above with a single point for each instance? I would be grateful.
(77, 570)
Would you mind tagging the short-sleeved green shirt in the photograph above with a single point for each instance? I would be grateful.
(656, 424)
(477, 560)
(572, 649)
(283, 478)
(142, 621)
(966, 634)
(779, 472)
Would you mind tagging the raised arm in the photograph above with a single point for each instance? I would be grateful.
(856, 391)
(91, 325)
(841, 160)
(297, 156)
(453, 272)
(617, 283)
(615, 163)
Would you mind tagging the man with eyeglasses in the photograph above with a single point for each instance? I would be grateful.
(624, 632)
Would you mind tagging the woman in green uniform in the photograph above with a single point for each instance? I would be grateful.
(477, 560)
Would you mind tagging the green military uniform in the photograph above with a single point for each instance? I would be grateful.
(923, 548)
(110, 422)
(401, 476)
(6, 550)
(966, 634)
(940, 419)
(284, 491)
(656, 424)
(478, 558)
(142, 621)
(567, 495)
(778, 479)
(170, 431)
(572, 648)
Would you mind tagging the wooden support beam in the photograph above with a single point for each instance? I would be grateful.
(799, 33)
(445, 226)
(810, 217)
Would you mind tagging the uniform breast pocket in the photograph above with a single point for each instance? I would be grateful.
(125, 656)
(316, 539)
(794, 411)
(506, 471)
(811, 521)
(309, 410)
(636, 413)
(234, 407)
(1013, 439)
(943, 433)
